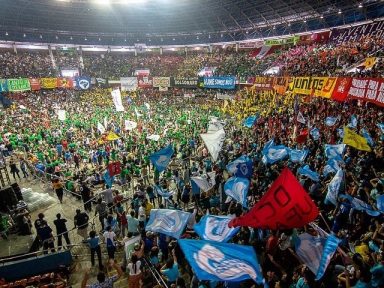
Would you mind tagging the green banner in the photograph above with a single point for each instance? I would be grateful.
(15, 85)
(285, 41)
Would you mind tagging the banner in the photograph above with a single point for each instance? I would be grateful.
(17, 85)
(61, 115)
(168, 222)
(161, 158)
(280, 85)
(65, 83)
(83, 82)
(144, 81)
(205, 182)
(241, 167)
(314, 86)
(128, 83)
(215, 228)
(334, 188)
(353, 34)
(161, 82)
(237, 188)
(218, 82)
(367, 89)
(341, 90)
(214, 142)
(286, 205)
(130, 125)
(263, 83)
(116, 98)
(48, 83)
(3, 85)
(35, 84)
(222, 261)
(246, 80)
(285, 41)
(356, 141)
(142, 72)
(188, 82)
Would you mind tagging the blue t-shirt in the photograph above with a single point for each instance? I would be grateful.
(93, 242)
(172, 273)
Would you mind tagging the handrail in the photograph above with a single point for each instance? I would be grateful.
(155, 273)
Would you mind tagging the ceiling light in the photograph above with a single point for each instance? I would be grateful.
(6, 33)
(209, 36)
(149, 40)
(305, 21)
(173, 39)
(57, 37)
(24, 35)
(221, 35)
(125, 40)
(85, 39)
(99, 39)
(321, 17)
(245, 32)
(360, 5)
(289, 24)
(41, 36)
(71, 38)
(339, 12)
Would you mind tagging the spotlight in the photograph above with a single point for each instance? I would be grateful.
(6, 33)
(85, 39)
(360, 5)
(339, 12)
(71, 38)
(41, 36)
(24, 35)
(321, 17)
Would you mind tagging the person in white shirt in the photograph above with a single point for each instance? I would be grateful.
(142, 216)
(109, 237)
(134, 272)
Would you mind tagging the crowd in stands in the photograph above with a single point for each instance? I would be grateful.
(316, 59)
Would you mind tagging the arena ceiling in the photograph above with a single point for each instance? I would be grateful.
(157, 22)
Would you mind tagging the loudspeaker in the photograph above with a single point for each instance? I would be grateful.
(7, 199)
(17, 191)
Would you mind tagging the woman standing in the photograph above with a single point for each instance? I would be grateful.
(58, 187)
(134, 278)
(14, 169)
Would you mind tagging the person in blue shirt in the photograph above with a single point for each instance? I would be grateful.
(94, 245)
(171, 270)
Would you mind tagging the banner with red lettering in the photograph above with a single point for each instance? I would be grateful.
(341, 90)
(144, 81)
(65, 83)
(367, 89)
(286, 205)
(35, 84)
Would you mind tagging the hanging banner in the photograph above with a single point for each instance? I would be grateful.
(263, 83)
(83, 82)
(188, 82)
(217, 82)
(353, 34)
(314, 86)
(35, 84)
(142, 72)
(3, 85)
(17, 85)
(64, 83)
(341, 90)
(48, 83)
(144, 81)
(128, 83)
(280, 85)
(367, 89)
(161, 82)
(285, 41)
(247, 80)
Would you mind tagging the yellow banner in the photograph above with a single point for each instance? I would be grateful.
(48, 83)
(313, 86)
(355, 140)
(369, 62)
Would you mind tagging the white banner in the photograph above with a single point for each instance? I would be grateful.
(101, 128)
(161, 81)
(224, 96)
(214, 142)
(205, 182)
(130, 125)
(116, 98)
(61, 115)
(154, 137)
(128, 83)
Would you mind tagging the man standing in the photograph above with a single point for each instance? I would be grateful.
(133, 225)
(61, 231)
(81, 222)
(86, 195)
(101, 210)
(45, 234)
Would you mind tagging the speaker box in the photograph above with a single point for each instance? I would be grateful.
(7, 199)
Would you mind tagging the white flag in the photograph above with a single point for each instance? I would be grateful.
(153, 137)
(105, 122)
(205, 182)
(147, 106)
(130, 125)
(214, 142)
(137, 113)
(101, 128)
(300, 118)
(61, 115)
(215, 125)
(116, 98)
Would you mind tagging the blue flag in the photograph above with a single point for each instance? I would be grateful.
(274, 154)
(340, 132)
(306, 171)
(332, 166)
(241, 167)
(334, 151)
(367, 136)
(296, 155)
(381, 127)
(315, 133)
(380, 202)
(168, 222)
(353, 123)
(329, 250)
(215, 228)
(330, 121)
(360, 205)
(108, 179)
(334, 188)
(222, 261)
(163, 193)
(250, 121)
(237, 188)
(270, 143)
(161, 158)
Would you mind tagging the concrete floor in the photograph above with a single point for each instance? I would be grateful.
(20, 244)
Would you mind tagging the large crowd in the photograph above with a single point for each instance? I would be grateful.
(73, 153)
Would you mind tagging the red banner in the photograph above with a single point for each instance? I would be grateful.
(367, 89)
(263, 83)
(114, 168)
(35, 84)
(340, 92)
(65, 83)
(144, 81)
(286, 205)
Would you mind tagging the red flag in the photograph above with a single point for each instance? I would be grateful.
(302, 136)
(114, 168)
(286, 205)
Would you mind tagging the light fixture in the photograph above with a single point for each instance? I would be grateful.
(149, 40)
(161, 39)
(321, 17)
(209, 36)
(6, 33)
(305, 21)
(125, 40)
(221, 35)
(41, 36)
(173, 39)
(247, 32)
(57, 37)
(360, 5)
(197, 37)
(71, 38)
(85, 39)
(289, 24)
(99, 39)
(339, 12)
(24, 35)
(274, 27)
